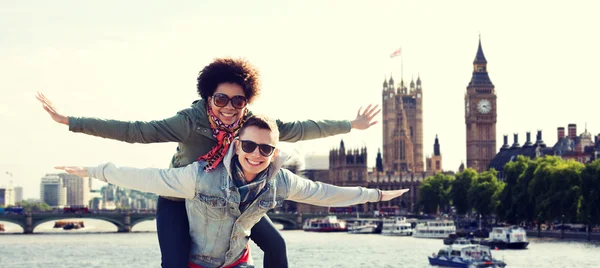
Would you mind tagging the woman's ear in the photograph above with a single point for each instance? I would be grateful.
(236, 143)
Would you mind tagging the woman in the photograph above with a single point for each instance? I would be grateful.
(205, 132)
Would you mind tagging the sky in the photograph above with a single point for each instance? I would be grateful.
(138, 60)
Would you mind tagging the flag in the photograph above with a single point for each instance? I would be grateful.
(396, 53)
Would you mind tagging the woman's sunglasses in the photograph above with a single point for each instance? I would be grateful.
(221, 100)
(264, 149)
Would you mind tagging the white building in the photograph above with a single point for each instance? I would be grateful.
(78, 190)
(18, 194)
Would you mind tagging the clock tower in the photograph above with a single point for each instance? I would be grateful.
(480, 115)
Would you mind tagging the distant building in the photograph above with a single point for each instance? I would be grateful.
(7, 196)
(52, 191)
(77, 189)
(18, 194)
(583, 148)
(434, 162)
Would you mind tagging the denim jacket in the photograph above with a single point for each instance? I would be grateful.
(218, 230)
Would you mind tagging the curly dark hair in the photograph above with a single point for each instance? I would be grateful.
(229, 70)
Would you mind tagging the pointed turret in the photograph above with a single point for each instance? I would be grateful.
(379, 161)
(436, 146)
(480, 75)
(480, 58)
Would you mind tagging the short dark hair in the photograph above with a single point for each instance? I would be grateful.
(229, 70)
(261, 122)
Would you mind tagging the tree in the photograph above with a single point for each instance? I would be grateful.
(460, 190)
(590, 194)
(34, 206)
(555, 188)
(508, 208)
(484, 192)
(434, 193)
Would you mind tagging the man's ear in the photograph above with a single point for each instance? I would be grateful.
(274, 155)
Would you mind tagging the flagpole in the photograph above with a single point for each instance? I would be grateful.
(401, 65)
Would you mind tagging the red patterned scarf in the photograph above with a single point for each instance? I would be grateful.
(224, 135)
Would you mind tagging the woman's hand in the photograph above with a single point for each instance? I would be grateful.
(59, 118)
(389, 195)
(78, 171)
(365, 120)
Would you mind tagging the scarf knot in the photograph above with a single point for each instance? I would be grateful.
(224, 134)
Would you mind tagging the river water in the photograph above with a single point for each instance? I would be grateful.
(89, 247)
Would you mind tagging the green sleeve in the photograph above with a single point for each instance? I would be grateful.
(311, 129)
(175, 129)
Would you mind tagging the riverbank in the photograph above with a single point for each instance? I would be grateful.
(580, 236)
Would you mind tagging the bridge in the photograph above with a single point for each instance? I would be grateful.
(126, 220)
(123, 220)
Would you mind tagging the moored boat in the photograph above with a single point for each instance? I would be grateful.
(435, 229)
(363, 226)
(513, 237)
(327, 224)
(397, 226)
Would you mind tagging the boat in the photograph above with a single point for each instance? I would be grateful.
(512, 237)
(434, 229)
(397, 227)
(363, 226)
(73, 225)
(327, 224)
(465, 255)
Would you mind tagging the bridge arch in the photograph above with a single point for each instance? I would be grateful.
(36, 222)
(14, 221)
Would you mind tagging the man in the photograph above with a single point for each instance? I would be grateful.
(224, 204)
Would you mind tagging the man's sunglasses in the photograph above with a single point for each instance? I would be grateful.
(221, 100)
(264, 149)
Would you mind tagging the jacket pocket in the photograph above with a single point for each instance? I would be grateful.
(269, 204)
(213, 207)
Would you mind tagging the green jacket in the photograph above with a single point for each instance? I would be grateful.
(191, 129)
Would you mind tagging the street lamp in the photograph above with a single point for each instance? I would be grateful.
(539, 219)
(562, 229)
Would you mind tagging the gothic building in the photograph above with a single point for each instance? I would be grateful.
(348, 167)
(402, 114)
(480, 115)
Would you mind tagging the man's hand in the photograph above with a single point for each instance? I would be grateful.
(78, 171)
(49, 107)
(365, 120)
(389, 195)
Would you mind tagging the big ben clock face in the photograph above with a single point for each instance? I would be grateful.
(484, 106)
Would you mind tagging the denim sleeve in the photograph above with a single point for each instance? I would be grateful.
(175, 182)
(322, 194)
